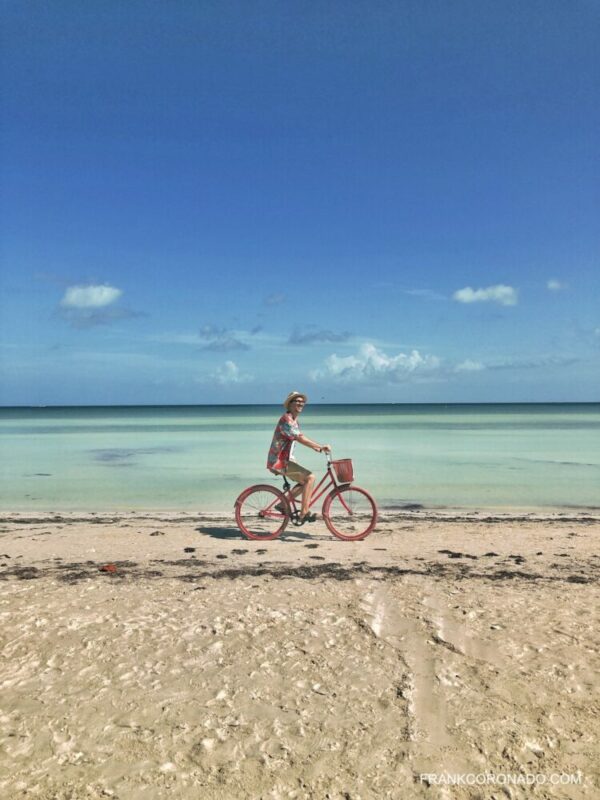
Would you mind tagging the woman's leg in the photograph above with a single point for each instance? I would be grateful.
(297, 490)
(301, 489)
(305, 482)
(307, 488)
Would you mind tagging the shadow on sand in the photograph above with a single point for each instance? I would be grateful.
(220, 532)
(291, 534)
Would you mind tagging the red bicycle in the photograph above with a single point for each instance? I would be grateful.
(263, 512)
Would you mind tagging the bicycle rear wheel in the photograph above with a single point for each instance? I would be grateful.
(256, 515)
(350, 513)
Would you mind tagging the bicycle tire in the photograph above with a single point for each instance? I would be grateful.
(350, 513)
(252, 517)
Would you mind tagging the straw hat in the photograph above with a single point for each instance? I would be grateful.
(291, 397)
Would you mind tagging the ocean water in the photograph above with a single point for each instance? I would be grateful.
(200, 457)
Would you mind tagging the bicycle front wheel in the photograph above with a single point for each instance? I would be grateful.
(256, 515)
(350, 513)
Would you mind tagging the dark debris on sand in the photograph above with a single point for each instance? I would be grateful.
(195, 570)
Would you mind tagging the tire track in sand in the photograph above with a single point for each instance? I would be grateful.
(428, 716)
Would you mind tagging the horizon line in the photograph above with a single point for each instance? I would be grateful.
(268, 405)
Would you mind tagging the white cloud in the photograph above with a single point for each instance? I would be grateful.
(504, 295)
(91, 305)
(555, 286)
(372, 365)
(469, 366)
(230, 373)
(90, 296)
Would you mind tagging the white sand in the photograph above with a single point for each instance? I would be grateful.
(300, 668)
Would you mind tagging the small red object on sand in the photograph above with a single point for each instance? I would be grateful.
(108, 568)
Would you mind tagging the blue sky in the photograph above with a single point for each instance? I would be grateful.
(218, 202)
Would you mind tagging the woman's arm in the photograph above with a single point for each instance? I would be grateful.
(313, 445)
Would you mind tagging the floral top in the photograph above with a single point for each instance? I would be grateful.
(286, 433)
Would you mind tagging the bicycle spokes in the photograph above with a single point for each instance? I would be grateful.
(350, 513)
(257, 514)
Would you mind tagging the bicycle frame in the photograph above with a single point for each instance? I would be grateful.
(316, 494)
(330, 484)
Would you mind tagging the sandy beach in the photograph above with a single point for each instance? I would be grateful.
(201, 665)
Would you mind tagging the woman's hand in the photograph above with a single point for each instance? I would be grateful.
(325, 448)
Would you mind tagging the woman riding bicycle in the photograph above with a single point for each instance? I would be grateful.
(281, 459)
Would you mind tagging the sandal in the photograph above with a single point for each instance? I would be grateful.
(281, 508)
(309, 517)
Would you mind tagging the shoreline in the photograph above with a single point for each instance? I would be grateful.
(572, 514)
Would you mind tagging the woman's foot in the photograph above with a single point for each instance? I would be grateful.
(281, 508)
(308, 517)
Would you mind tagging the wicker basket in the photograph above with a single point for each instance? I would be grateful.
(343, 470)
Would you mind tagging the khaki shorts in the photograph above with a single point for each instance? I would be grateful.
(296, 472)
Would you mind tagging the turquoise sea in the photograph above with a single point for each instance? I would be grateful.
(200, 457)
